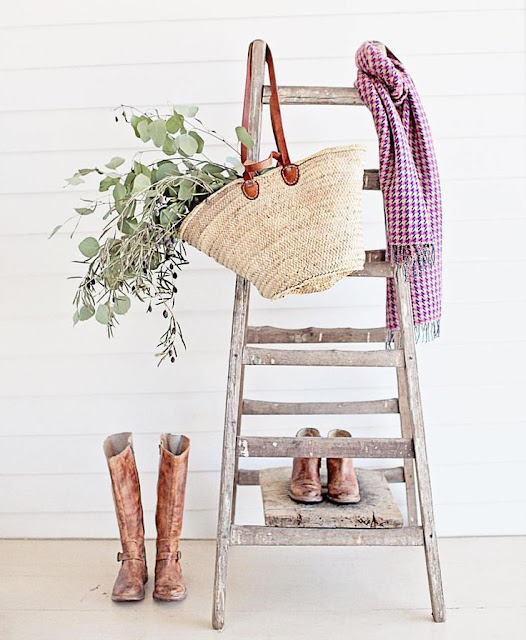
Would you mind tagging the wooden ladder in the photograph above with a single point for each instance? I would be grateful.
(411, 447)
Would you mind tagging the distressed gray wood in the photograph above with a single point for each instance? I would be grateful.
(371, 180)
(315, 335)
(407, 336)
(284, 447)
(407, 432)
(289, 536)
(326, 358)
(235, 375)
(234, 445)
(315, 95)
(377, 508)
(364, 407)
(250, 477)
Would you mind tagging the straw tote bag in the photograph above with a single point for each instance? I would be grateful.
(294, 229)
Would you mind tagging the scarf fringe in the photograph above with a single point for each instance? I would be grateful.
(425, 332)
(407, 256)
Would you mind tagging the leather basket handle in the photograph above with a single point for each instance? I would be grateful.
(289, 171)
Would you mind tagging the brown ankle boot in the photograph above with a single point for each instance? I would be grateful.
(342, 484)
(173, 468)
(129, 585)
(305, 483)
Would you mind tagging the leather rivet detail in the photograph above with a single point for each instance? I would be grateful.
(291, 174)
(250, 189)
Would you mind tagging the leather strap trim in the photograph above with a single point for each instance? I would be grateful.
(290, 174)
(275, 111)
(250, 189)
(282, 155)
(169, 555)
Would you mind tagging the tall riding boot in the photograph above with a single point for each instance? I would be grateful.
(129, 585)
(342, 483)
(173, 469)
(305, 483)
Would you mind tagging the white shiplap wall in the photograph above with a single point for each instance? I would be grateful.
(64, 67)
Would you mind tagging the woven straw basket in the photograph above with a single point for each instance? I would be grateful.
(299, 238)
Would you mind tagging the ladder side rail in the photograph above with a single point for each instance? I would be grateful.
(235, 373)
(407, 335)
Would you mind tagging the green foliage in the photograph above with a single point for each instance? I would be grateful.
(244, 137)
(139, 253)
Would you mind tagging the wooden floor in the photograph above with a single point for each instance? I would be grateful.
(55, 590)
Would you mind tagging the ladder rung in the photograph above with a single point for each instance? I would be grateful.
(366, 407)
(374, 270)
(326, 358)
(250, 477)
(245, 534)
(283, 447)
(317, 335)
(315, 95)
(371, 180)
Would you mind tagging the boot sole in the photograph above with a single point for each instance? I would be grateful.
(355, 501)
(308, 501)
(169, 598)
(127, 599)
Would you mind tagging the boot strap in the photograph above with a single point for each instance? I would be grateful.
(169, 555)
(121, 557)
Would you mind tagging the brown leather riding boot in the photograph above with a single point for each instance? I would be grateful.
(129, 585)
(342, 484)
(173, 468)
(305, 483)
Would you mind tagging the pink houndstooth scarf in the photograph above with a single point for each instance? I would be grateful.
(409, 182)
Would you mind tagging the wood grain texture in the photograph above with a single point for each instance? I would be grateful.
(315, 335)
(303, 447)
(329, 358)
(376, 509)
(414, 401)
(234, 394)
(264, 536)
(364, 407)
(315, 95)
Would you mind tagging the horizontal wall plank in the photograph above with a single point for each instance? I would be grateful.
(468, 153)
(204, 371)
(72, 414)
(434, 74)
(454, 485)
(203, 524)
(97, 11)
(466, 33)
(95, 129)
(39, 213)
(63, 390)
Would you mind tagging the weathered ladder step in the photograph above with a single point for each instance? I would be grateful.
(365, 407)
(314, 335)
(311, 536)
(326, 358)
(285, 447)
(315, 95)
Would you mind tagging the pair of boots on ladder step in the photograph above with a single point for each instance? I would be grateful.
(173, 469)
